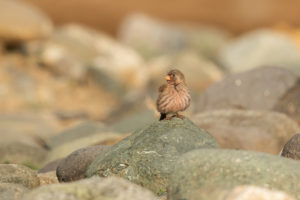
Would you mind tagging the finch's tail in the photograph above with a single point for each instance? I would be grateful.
(162, 116)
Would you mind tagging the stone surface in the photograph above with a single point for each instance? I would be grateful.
(231, 168)
(263, 131)
(93, 188)
(10, 191)
(289, 102)
(257, 89)
(260, 48)
(292, 148)
(22, 153)
(19, 174)
(147, 157)
(51, 166)
(48, 178)
(73, 167)
(20, 21)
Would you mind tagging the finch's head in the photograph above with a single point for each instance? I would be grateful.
(175, 77)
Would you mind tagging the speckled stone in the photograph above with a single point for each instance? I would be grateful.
(292, 148)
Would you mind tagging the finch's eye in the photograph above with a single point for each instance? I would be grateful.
(172, 75)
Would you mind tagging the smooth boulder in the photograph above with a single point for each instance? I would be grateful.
(258, 89)
(73, 167)
(147, 157)
(263, 131)
(230, 168)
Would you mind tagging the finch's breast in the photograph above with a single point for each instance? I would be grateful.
(173, 100)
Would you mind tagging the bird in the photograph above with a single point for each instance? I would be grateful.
(174, 96)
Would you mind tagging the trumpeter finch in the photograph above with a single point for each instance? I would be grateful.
(174, 96)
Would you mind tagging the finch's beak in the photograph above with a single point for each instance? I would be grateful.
(168, 78)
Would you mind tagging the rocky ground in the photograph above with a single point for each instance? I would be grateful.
(78, 118)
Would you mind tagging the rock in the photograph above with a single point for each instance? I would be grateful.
(19, 174)
(48, 178)
(77, 51)
(257, 89)
(27, 127)
(231, 168)
(83, 135)
(73, 167)
(292, 148)
(199, 72)
(244, 192)
(93, 188)
(147, 157)
(10, 191)
(263, 131)
(260, 48)
(289, 102)
(253, 192)
(134, 121)
(20, 21)
(20, 153)
(51, 166)
(152, 37)
(76, 132)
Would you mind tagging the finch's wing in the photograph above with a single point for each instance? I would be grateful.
(162, 88)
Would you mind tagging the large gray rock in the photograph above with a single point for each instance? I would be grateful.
(203, 168)
(292, 148)
(19, 174)
(20, 21)
(260, 48)
(147, 157)
(263, 131)
(10, 191)
(257, 89)
(73, 167)
(80, 136)
(94, 188)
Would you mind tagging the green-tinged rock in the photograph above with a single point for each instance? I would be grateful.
(10, 191)
(19, 174)
(148, 156)
(21, 153)
(229, 168)
(94, 188)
